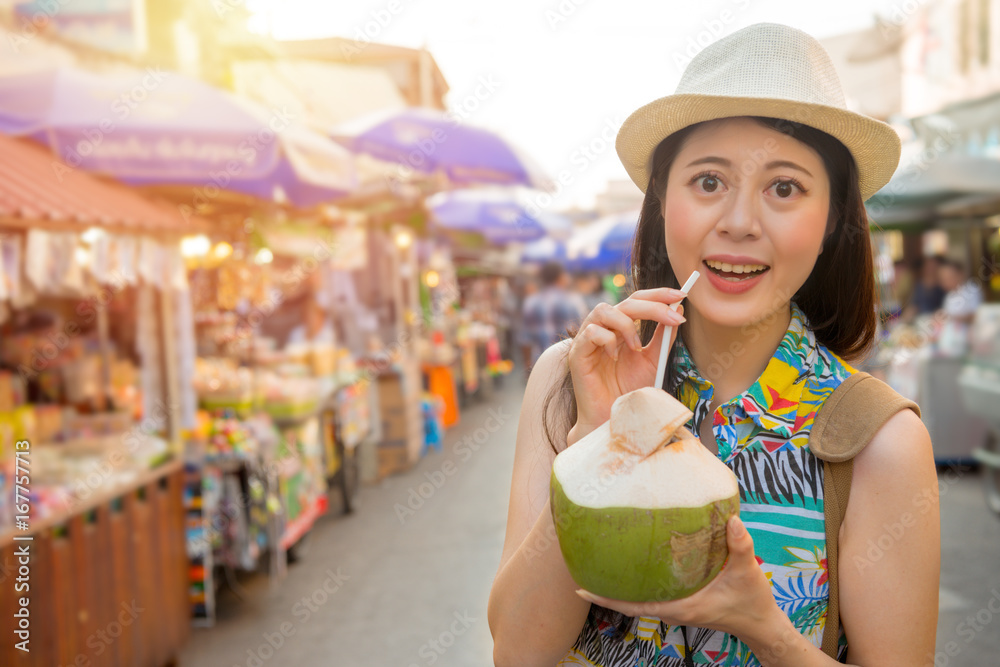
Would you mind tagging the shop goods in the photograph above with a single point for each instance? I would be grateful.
(640, 505)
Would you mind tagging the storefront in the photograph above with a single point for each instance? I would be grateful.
(92, 385)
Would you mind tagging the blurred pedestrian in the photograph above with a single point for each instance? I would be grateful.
(903, 283)
(524, 342)
(553, 312)
(928, 295)
(962, 298)
(591, 288)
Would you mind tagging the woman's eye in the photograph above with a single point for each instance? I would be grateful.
(786, 189)
(709, 183)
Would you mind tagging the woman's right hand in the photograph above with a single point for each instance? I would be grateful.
(607, 359)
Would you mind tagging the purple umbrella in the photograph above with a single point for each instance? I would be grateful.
(161, 128)
(502, 215)
(432, 141)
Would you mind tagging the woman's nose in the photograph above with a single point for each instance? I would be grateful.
(741, 218)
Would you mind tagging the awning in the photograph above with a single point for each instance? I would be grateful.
(921, 192)
(39, 191)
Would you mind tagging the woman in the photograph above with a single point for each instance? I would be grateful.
(754, 174)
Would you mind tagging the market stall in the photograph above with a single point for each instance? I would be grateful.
(90, 414)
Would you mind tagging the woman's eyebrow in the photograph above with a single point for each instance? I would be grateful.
(774, 164)
(785, 163)
(711, 159)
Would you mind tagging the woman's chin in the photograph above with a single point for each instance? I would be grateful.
(748, 315)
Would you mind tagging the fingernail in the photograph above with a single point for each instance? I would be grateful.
(585, 595)
(637, 343)
(736, 527)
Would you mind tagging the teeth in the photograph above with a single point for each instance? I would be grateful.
(735, 268)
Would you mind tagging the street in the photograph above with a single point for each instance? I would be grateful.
(404, 581)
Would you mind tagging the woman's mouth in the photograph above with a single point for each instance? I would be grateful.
(735, 273)
(733, 279)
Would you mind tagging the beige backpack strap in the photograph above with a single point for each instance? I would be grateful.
(845, 424)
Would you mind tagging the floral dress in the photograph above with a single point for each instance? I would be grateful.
(763, 436)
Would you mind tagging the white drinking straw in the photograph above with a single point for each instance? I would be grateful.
(661, 366)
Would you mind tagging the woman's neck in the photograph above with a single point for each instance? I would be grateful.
(732, 358)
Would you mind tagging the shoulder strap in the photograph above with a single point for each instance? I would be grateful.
(845, 424)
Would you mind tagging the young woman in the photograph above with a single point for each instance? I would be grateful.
(755, 174)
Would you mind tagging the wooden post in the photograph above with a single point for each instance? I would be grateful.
(168, 358)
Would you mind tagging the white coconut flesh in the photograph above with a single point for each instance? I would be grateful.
(634, 461)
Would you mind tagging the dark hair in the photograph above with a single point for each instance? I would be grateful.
(839, 297)
(550, 273)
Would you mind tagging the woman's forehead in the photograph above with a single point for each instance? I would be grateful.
(743, 138)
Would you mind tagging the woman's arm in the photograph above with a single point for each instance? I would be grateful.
(534, 613)
(890, 548)
(890, 559)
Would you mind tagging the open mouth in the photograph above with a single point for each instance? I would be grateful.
(735, 273)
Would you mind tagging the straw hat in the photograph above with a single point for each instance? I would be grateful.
(765, 69)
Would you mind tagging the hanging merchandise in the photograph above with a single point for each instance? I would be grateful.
(148, 343)
(127, 248)
(53, 264)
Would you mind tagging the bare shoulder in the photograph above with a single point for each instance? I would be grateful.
(902, 446)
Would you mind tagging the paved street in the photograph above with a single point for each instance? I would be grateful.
(414, 583)
(392, 587)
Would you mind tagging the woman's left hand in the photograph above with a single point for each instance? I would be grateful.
(737, 601)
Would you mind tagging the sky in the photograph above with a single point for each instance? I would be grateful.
(558, 77)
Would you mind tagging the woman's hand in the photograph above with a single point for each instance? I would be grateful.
(607, 359)
(738, 601)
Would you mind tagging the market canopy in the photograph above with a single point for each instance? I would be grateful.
(38, 192)
(431, 141)
(544, 250)
(502, 215)
(161, 128)
(604, 244)
(923, 190)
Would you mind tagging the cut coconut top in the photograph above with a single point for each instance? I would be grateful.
(644, 419)
(610, 467)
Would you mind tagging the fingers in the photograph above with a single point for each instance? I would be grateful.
(651, 310)
(608, 326)
(615, 319)
(666, 295)
(593, 337)
(738, 538)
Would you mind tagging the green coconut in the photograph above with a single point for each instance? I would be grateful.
(640, 505)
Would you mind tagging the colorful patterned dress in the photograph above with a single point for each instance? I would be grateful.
(763, 436)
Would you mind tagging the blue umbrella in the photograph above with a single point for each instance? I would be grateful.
(544, 250)
(603, 245)
(502, 215)
(161, 128)
(431, 141)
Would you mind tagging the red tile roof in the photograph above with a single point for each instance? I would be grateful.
(39, 190)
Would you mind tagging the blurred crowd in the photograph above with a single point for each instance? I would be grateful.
(545, 307)
(935, 285)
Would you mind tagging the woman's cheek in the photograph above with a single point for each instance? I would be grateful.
(683, 238)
